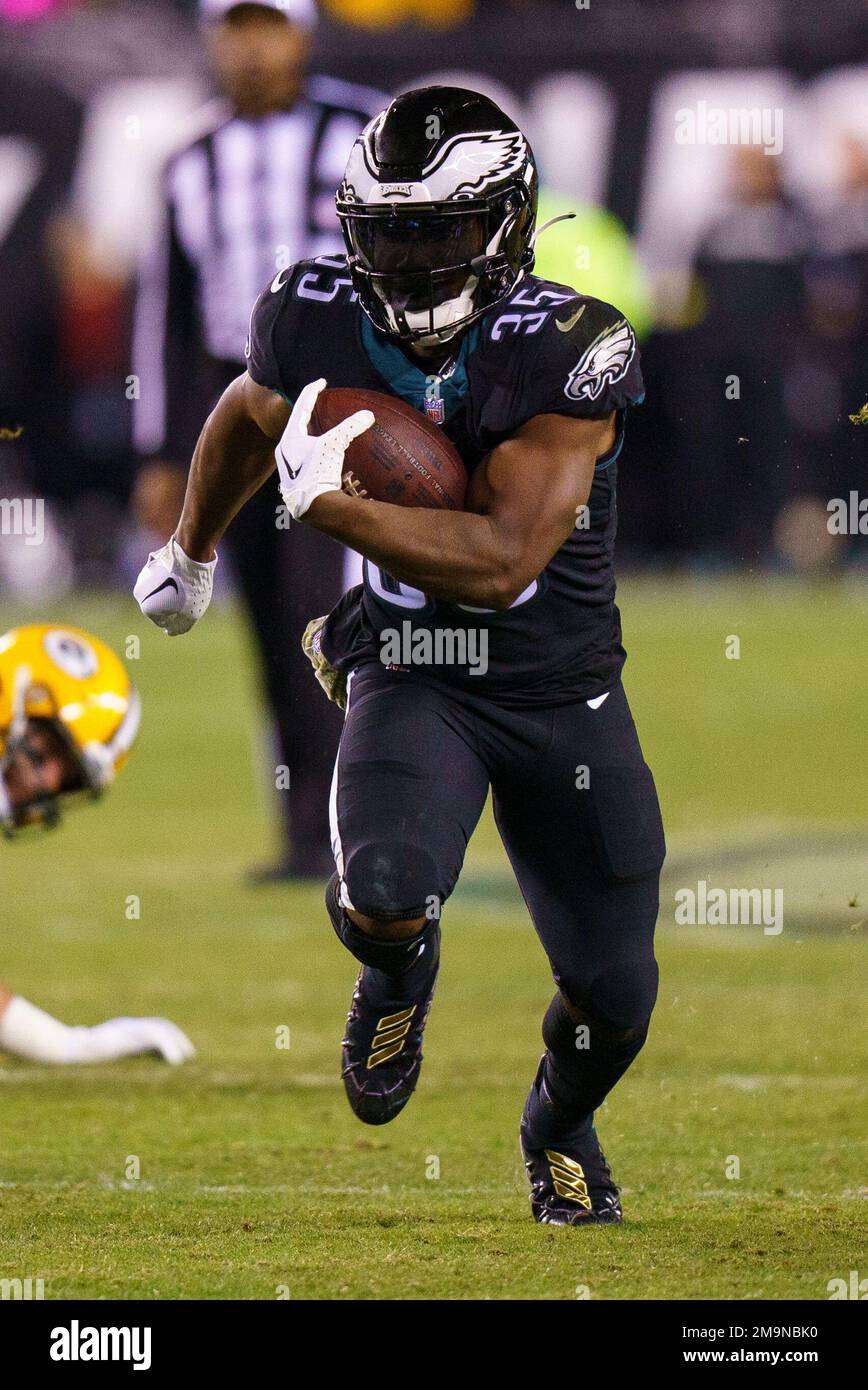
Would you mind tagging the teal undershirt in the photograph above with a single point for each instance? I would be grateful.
(413, 383)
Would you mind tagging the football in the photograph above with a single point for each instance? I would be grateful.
(403, 458)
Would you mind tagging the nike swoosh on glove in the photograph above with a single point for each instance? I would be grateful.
(333, 682)
(311, 464)
(173, 590)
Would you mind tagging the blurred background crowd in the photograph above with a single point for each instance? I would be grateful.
(745, 272)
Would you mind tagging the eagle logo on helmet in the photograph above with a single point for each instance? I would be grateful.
(463, 167)
(490, 155)
(603, 362)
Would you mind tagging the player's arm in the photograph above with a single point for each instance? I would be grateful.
(234, 456)
(574, 381)
(232, 459)
(27, 1031)
(528, 496)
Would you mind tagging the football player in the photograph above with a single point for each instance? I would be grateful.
(68, 718)
(435, 303)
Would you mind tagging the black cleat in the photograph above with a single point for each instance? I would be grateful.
(382, 1047)
(574, 1188)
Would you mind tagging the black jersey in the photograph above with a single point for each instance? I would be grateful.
(544, 349)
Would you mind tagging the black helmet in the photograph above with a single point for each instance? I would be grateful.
(438, 210)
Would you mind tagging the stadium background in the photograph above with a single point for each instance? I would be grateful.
(758, 1049)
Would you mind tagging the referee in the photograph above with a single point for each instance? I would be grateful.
(251, 195)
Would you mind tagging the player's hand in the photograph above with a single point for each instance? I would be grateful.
(173, 590)
(333, 682)
(131, 1037)
(310, 464)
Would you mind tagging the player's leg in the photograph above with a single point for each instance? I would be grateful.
(582, 828)
(409, 787)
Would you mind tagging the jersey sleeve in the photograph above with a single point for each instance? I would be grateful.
(586, 363)
(263, 334)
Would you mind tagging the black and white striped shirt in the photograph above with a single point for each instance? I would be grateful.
(244, 200)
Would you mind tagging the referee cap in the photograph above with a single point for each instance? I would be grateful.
(302, 13)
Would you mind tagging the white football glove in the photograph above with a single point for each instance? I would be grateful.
(130, 1037)
(173, 590)
(29, 1032)
(311, 464)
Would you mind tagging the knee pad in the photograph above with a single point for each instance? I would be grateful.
(618, 1000)
(391, 880)
(392, 957)
(623, 996)
(561, 1026)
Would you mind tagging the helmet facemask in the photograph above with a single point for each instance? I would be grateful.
(425, 273)
(34, 742)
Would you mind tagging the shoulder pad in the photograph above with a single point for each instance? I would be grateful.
(320, 281)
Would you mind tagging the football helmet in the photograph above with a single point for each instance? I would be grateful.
(73, 682)
(438, 212)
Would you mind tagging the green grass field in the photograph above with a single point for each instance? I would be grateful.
(255, 1178)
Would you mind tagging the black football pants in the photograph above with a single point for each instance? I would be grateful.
(574, 802)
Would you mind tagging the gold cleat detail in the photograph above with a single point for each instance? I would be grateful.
(392, 1019)
(390, 1035)
(569, 1178)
